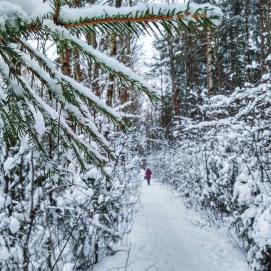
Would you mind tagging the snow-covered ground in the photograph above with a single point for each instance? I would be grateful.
(168, 237)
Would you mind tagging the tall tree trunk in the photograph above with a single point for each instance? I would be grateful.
(65, 60)
(264, 33)
(175, 92)
(124, 92)
(93, 71)
(246, 38)
(76, 55)
(112, 52)
(209, 56)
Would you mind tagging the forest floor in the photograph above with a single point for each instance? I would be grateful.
(169, 237)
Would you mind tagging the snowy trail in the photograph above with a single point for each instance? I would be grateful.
(166, 237)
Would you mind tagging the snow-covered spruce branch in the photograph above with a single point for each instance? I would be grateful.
(32, 99)
(137, 19)
(77, 106)
(132, 18)
(60, 24)
(109, 64)
(45, 65)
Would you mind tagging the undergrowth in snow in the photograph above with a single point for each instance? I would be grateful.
(221, 166)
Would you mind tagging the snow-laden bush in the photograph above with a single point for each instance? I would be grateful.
(66, 219)
(222, 165)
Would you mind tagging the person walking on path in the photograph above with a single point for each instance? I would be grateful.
(148, 174)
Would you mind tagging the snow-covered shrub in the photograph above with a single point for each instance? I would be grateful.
(222, 165)
(65, 219)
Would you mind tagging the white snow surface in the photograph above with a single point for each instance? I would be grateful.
(10, 13)
(14, 224)
(40, 126)
(33, 8)
(169, 237)
(4, 253)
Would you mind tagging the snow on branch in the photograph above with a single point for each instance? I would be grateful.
(109, 64)
(19, 19)
(96, 102)
(138, 18)
(11, 14)
(97, 15)
(33, 100)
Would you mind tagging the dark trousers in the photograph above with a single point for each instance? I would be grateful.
(149, 181)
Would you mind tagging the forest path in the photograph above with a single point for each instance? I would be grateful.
(168, 237)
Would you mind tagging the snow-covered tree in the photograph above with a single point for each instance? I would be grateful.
(57, 210)
(22, 104)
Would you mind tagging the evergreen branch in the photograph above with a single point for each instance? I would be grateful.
(138, 19)
(109, 64)
(76, 106)
(59, 78)
(147, 19)
(127, 18)
(78, 145)
(75, 98)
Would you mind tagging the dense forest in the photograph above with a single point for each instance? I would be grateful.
(214, 117)
(78, 126)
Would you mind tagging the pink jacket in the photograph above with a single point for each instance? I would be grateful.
(148, 173)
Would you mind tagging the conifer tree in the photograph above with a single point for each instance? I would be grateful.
(64, 25)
